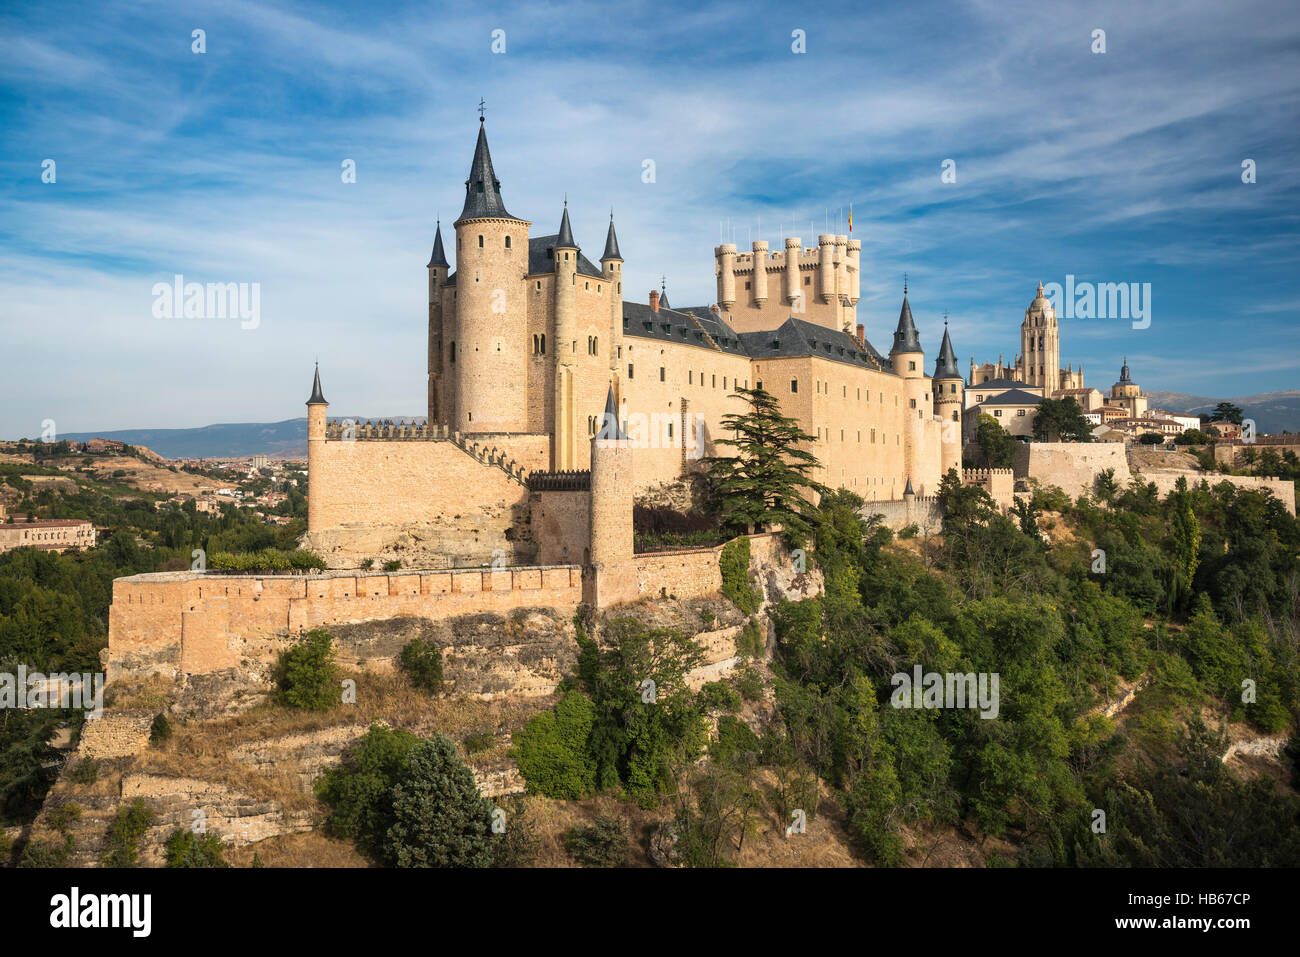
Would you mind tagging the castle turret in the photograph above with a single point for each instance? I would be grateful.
(906, 354)
(949, 397)
(565, 252)
(486, 357)
(609, 580)
(826, 267)
(759, 281)
(611, 267)
(726, 257)
(793, 293)
(316, 410)
(855, 271)
(908, 361)
(438, 272)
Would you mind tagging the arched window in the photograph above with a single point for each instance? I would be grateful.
(480, 241)
(543, 344)
(507, 242)
(453, 352)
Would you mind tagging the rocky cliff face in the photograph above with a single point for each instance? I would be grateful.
(244, 768)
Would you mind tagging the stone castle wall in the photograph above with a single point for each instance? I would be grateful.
(1073, 466)
(427, 503)
(1166, 480)
(1232, 451)
(169, 622)
(999, 483)
(925, 513)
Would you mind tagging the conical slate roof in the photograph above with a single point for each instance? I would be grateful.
(908, 490)
(316, 397)
(565, 239)
(483, 189)
(946, 366)
(611, 243)
(609, 426)
(439, 258)
(905, 336)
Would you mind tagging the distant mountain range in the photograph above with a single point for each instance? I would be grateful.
(1272, 411)
(231, 440)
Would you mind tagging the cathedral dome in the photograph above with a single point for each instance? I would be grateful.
(1041, 306)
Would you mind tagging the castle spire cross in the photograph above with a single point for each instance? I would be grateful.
(482, 106)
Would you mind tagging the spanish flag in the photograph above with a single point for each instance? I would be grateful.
(850, 217)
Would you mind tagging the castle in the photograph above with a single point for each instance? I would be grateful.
(530, 343)
(555, 405)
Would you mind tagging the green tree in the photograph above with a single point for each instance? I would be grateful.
(552, 749)
(995, 442)
(359, 790)
(764, 483)
(1226, 412)
(306, 673)
(421, 659)
(124, 833)
(187, 849)
(1061, 420)
(603, 843)
(439, 817)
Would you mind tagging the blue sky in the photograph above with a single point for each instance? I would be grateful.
(225, 167)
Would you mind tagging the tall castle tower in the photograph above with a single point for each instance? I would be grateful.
(908, 361)
(760, 289)
(611, 267)
(438, 271)
(485, 350)
(1040, 345)
(565, 252)
(949, 399)
(317, 408)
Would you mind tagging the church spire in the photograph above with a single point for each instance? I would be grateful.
(483, 189)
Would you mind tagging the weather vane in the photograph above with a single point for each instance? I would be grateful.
(481, 105)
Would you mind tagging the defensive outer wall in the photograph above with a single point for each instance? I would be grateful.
(196, 623)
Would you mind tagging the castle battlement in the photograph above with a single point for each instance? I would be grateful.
(575, 480)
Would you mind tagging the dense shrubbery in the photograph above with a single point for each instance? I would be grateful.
(603, 843)
(129, 825)
(412, 803)
(421, 660)
(1218, 570)
(734, 564)
(266, 561)
(187, 849)
(626, 717)
(306, 675)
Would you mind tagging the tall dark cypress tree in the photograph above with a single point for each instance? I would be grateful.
(765, 482)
